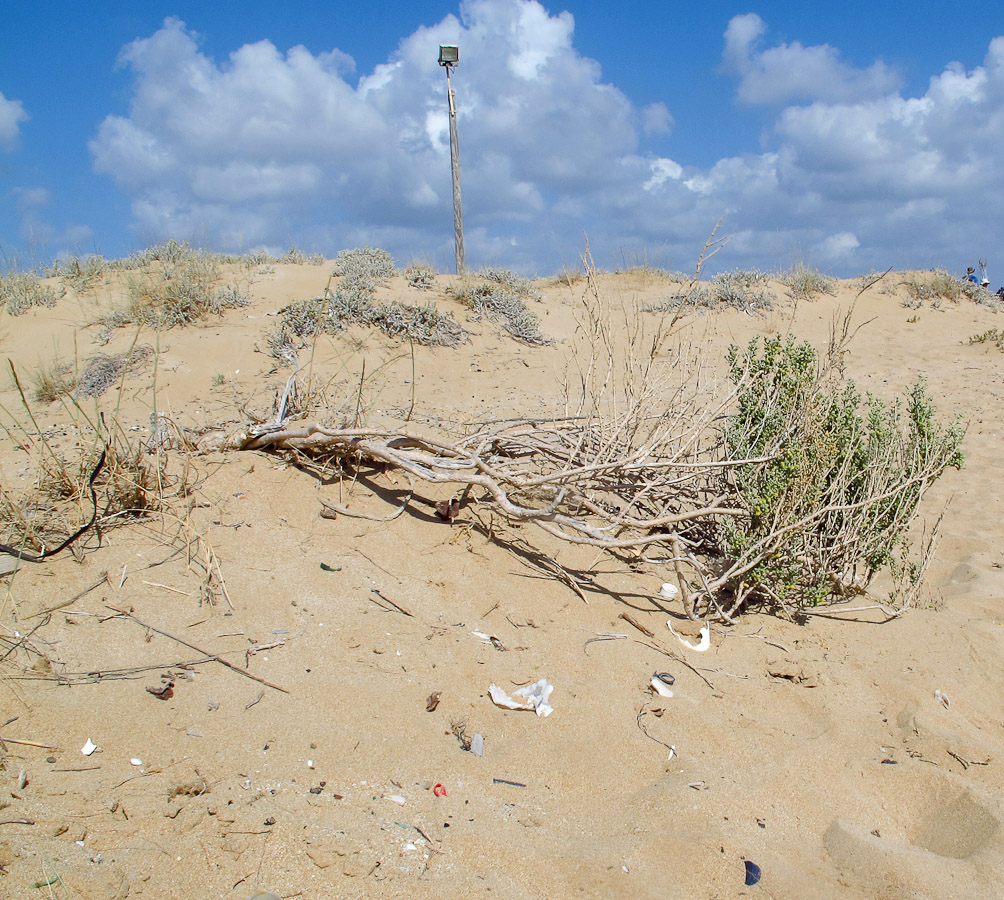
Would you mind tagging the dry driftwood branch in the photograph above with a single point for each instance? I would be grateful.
(640, 464)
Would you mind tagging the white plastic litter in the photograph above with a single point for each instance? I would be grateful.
(669, 591)
(533, 697)
(478, 745)
(942, 698)
(659, 686)
(89, 747)
(135, 761)
(701, 646)
(397, 798)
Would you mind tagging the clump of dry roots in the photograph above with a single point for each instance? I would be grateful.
(776, 491)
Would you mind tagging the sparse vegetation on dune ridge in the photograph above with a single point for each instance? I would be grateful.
(498, 295)
(938, 286)
(352, 302)
(789, 490)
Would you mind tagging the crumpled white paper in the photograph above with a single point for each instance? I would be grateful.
(533, 697)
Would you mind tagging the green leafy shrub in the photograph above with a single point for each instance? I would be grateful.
(994, 336)
(829, 481)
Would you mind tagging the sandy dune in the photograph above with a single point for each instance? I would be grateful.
(817, 750)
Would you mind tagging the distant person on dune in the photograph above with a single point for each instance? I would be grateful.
(971, 275)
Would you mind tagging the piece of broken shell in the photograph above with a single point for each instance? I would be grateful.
(162, 691)
(448, 510)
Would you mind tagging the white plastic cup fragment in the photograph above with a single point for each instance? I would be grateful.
(669, 591)
(660, 687)
(700, 646)
(89, 747)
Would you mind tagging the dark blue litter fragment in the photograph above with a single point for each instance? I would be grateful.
(753, 873)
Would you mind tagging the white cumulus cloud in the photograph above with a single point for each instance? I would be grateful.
(791, 72)
(12, 114)
(269, 147)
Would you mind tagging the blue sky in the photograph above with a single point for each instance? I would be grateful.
(854, 137)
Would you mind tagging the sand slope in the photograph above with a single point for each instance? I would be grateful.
(817, 750)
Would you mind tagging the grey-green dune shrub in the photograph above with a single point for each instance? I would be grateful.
(20, 291)
(500, 296)
(834, 479)
(804, 282)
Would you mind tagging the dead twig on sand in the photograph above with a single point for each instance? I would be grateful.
(8, 740)
(632, 621)
(102, 580)
(387, 600)
(206, 653)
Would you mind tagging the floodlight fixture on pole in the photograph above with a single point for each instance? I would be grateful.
(449, 56)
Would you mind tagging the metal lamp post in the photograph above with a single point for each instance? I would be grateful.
(449, 57)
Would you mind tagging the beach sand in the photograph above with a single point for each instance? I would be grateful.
(816, 749)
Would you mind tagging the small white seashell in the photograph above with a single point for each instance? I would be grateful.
(136, 761)
(397, 798)
(310, 764)
(942, 698)
(669, 591)
(89, 747)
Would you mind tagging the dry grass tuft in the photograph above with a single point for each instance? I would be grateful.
(52, 380)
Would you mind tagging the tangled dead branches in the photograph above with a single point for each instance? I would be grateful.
(786, 490)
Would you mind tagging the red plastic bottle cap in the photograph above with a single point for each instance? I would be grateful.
(439, 790)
